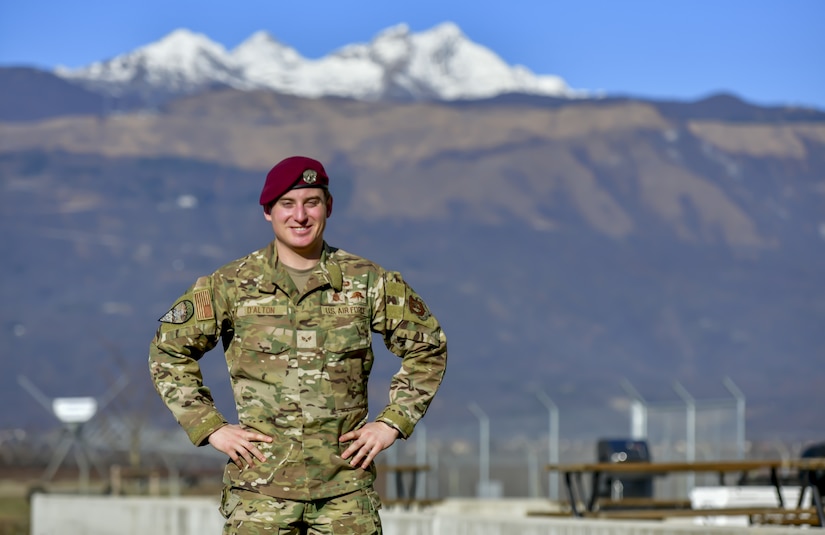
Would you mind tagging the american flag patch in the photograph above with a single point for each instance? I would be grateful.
(203, 305)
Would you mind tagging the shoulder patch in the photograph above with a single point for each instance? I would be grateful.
(417, 307)
(180, 313)
(417, 312)
(203, 304)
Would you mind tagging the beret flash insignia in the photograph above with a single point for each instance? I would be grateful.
(310, 176)
(180, 313)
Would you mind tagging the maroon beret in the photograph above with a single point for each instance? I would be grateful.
(293, 173)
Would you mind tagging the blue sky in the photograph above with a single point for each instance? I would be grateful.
(765, 51)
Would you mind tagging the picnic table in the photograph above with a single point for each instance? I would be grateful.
(405, 492)
(573, 480)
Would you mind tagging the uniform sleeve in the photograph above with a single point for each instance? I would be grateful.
(186, 332)
(413, 333)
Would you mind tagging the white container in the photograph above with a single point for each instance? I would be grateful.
(756, 496)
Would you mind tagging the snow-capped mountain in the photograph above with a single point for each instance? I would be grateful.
(437, 64)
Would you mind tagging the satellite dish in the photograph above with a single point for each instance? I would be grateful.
(73, 413)
(74, 410)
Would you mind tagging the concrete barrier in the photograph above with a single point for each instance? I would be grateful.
(56, 514)
(67, 514)
(397, 523)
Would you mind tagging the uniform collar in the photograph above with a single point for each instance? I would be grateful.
(328, 272)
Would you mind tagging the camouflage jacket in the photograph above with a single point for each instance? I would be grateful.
(298, 363)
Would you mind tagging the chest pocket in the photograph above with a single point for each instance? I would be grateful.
(348, 361)
(260, 350)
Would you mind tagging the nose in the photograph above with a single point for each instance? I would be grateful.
(300, 212)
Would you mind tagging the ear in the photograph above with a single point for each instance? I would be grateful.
(268, 212)
(329, 206)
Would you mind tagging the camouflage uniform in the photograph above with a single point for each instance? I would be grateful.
(299, 364)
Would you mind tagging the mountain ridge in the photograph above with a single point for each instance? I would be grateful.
(440, 63)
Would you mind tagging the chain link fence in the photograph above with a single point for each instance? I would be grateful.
(476, 456)
(520, 448)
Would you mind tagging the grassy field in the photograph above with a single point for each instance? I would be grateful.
(15, 488)
(15, 507)
(14, 515)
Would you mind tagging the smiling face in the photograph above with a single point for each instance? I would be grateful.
(299, 218)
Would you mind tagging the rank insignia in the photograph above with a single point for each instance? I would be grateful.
(309, 176)
(307, 339)
(180, 313)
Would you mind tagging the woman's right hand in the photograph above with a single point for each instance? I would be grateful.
(239, 444)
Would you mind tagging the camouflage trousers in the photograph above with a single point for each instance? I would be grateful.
(250, 513)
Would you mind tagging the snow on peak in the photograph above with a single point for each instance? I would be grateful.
(185, 38)
(445, 30)
(392, 46)
(265, 62)
(261, 46)
(183, 50)
(399, 30)
(439, 63)
(182, 61)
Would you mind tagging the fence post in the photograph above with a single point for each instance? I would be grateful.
(552, 443)
(690, 432)
(740, 416)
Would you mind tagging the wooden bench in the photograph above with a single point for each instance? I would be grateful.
(756, 515)
(119, 475)
(411, 503)
(792, 520)
(580, 505)
(554, 514)
(405, 494)
(625, 504)
(643, 503)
